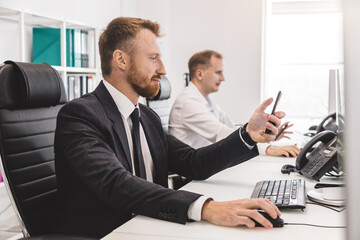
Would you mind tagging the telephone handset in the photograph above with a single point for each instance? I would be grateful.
(329, 123)
(318, 156)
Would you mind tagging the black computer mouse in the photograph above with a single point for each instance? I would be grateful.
(290, 155)
(277, 222)
(288, 168)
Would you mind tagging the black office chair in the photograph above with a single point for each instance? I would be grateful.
(30, 97)
(162, 106)
(187, 79)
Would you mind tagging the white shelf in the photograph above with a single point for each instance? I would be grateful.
(8, 14)
(76, 70)
(26, 19)
(31, 19)
(40, 20)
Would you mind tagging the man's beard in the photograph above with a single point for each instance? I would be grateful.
(142, 84)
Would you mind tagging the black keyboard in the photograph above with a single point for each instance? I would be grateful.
(283, 193)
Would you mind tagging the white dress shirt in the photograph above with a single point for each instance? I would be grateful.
(198, 122)
(126, 107)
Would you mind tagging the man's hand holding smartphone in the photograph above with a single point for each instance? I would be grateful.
(260, 121)
(267, 131)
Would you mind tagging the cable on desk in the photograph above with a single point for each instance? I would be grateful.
(327, 206)
(314, 225)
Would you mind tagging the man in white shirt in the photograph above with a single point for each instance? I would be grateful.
(197, 121)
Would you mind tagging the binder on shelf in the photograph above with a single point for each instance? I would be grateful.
(77, 48)
(46, 46)
(91, 48)
(70, 90)
(70, 47)
(84, 49)
(79, 85)
(83, 84)
(91, 83)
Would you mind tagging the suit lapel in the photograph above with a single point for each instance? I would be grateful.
(114, 115)
(120, 131)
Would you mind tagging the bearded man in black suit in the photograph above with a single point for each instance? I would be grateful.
(112, 156)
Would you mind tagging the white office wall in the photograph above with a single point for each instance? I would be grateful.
(155, 10)
(94, 13)
(352, 81)
(231, 27)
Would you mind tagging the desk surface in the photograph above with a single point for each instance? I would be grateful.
(236, 183)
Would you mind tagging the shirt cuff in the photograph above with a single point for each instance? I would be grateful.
(249, 146)
(195, 208)
(262, 148)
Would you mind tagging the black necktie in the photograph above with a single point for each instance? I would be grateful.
(138, 157)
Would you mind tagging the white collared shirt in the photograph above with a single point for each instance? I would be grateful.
(126, 107)
(199, 122)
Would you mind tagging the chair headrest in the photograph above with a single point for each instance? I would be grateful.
(164, 91)
(30, 85)
(187, 79)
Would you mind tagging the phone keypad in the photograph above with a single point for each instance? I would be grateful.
(313, 166)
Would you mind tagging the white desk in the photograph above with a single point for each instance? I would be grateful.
(236, 183)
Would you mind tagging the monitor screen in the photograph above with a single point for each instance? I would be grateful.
(337, 105)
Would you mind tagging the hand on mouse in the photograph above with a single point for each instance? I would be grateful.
(239, 212)
(277, 222)
(286, 151)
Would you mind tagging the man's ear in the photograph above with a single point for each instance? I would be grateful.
(199, 74)
(120, 59)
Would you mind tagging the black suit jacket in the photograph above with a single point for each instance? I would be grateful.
(96, 189)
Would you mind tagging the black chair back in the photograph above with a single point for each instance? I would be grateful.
(187, 79)
(31, 94)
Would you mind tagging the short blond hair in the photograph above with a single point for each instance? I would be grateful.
(201, 60)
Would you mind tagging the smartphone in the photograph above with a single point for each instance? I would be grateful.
(267, 131)
(281, 131)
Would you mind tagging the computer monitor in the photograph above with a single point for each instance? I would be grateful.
(336, 91)
(340, 115)
(337, 105)
(332, 91)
